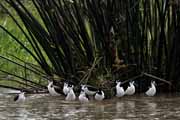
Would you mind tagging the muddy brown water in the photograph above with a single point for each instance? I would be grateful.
(46, 107)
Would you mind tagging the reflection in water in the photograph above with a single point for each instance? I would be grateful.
(151, 106)
(22, 113)
(152, 109)
(99, 111)
(69, 111)
(119, 107)
(130, 104)
(99, 108)
(45, 107)
(130, 109)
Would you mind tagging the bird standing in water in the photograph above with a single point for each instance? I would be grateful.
(131, 89)
(83, 98)
(99, 96)
(65, 88)
(54, 90)
(70, 95)
(152, 90)
(119, 89)
(89, 90)
(20, 97)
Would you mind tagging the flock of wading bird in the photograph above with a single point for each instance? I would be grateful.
(88, 92)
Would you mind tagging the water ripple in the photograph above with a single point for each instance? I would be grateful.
(45, 107)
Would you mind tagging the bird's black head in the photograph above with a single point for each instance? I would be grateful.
(69, 85)
(82, 86)
(118, 81)
(69, 81)
(22, 90)
(153, 82)
(66, 81)
(85, 87)
(99, 92)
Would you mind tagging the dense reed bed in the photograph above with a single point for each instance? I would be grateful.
(93, 42)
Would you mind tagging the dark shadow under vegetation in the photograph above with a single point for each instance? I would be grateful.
(97, 42)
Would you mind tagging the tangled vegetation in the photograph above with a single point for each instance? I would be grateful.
(93, 41)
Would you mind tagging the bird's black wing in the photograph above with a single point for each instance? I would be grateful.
(57, 83)
(87, 96)
(91, 88)
(16, 97)
(125, 86)
(99, 92)
(58, 90)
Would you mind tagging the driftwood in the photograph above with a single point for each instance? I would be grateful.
(157, 78)
(148, 75)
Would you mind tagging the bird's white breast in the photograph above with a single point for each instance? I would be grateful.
(119, 91)
(151, 91)
(71, 95)
(99, 97)
(83, 98)
(130, 90)
(65, 89)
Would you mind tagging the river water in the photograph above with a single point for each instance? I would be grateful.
(46, 107)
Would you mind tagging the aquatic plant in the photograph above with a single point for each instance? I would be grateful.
(81, 40)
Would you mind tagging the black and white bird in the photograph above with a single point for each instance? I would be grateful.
(83, 97)
(119, 90)
(131, 89)
(70, 95)
(152, 90)
(20, 97)
(99, 96)
(54, 90)
(65, 88)
(89, 90)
